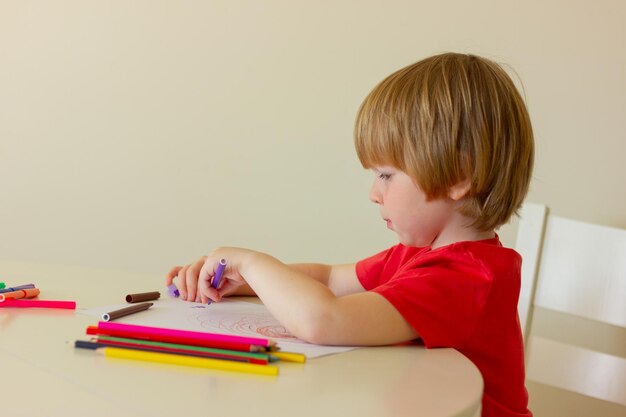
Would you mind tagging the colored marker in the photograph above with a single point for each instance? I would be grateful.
(172, 290)
(261, 358)
(184, 337)
(290, 357)
(126, 311)
(218, 364)
(14, 295)
(69, 305)
(19, 287)
(84, 344)
(144, 296)
(126, 343)
(2, 285)
(219, 272)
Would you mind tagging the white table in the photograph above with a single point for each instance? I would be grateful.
(43, 375)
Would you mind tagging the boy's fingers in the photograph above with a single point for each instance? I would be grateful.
(205, 275)
(182, 282)
(227, 287)
(172, 274)
(204, 287)
(191, 276)
(213, 294)
(187, 279)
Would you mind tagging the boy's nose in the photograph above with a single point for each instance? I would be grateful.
(374, 194)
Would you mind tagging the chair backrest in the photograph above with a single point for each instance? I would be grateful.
(528, 244)
(577, 269)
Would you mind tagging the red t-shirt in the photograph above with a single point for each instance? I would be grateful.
(462, 296)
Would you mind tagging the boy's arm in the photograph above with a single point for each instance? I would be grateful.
(340, 279)
(308, 308)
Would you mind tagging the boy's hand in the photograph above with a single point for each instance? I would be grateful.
(194, 280)
(235, 259)
(187, 279)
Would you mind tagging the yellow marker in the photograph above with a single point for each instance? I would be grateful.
(290, 357)
(219, 364)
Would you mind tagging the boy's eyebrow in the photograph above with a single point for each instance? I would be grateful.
(384, 168)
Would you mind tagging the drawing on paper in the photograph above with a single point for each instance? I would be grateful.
(245, 324)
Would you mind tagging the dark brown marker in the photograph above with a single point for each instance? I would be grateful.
(126, 311)
(143, 296)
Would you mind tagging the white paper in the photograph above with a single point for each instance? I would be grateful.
(233, 317)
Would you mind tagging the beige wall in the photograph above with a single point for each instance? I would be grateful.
(142, 134)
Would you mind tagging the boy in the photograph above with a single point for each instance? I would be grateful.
(450, 142)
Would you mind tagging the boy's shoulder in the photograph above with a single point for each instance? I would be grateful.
(484, 259)
(491, 246)
(489, 253)
(465, 265)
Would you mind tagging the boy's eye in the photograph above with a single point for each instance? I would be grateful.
(383, 176)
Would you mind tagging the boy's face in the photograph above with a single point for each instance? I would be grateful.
(417, 220)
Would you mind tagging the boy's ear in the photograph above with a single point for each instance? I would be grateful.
(459, 190)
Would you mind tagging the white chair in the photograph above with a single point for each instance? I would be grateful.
(573, 283)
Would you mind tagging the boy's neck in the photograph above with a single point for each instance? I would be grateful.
(459, 230)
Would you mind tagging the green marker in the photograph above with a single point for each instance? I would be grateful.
(2, 285)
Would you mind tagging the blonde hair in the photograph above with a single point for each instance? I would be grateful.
(450, 118)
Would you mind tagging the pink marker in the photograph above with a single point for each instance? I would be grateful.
(162, 333)
(68, 305)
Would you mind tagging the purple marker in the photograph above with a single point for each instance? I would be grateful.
(172, 290)
(19, 287)
(219, 272)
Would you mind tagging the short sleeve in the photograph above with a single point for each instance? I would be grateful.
(379, 268)
(442, 296)
(370, 270)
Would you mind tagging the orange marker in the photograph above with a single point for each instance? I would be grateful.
(14, 295)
